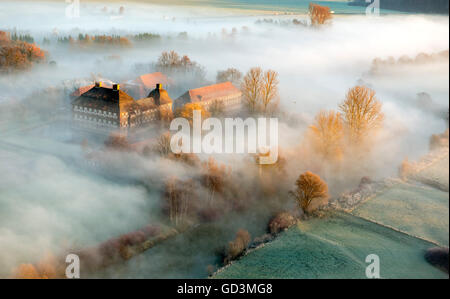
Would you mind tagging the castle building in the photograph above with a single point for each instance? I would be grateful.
(111, 108)
(224, 93)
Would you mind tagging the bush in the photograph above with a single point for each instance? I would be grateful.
(210, 269)
(439, 140)
(438, 257)
(238, 246)
(261, 240)
(281, 222)
(405, 169)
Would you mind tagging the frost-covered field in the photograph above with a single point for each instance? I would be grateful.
(435, 174)
(417, 210)
(412, 207)
(49, 203)
(335, 247)
(401, 218)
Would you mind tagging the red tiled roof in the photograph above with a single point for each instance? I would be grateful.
(213, 91)
(150, 80)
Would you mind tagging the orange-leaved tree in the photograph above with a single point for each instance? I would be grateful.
(327, 134)
(309, 187)
(187, 111)
(319, 14)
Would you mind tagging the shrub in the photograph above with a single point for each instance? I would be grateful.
(210, 269)
(280, 222)
(238, 246)
(439, 140)
(117, 142)
(262, 239)
(438, 257)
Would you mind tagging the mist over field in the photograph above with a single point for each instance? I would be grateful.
(51, 201)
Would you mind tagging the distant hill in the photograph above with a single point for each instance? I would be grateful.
(418, 6)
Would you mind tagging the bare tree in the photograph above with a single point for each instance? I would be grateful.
(217, 108)
(233, 75)
(214, 177)
(168, 59)
(269, 88)
(178, 195)
(310, 187)
(251, 88)
(260, 89)
(362, 112)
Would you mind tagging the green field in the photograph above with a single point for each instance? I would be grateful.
(188, 254)
(335, 247)
(417, 210)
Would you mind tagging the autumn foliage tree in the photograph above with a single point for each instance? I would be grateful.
(319, 14)
(362, 113)
(327, 134)
(27, 271)
(309, 188)
(406, 169)
(187, 111)
(47, 268)
(18, 55)
(169, 59)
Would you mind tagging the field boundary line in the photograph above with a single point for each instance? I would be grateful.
(395, 229)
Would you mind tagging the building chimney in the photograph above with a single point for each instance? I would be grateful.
(159, 86)
(116, 87)
(98, 84)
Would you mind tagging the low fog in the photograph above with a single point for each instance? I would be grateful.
(52, 200)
